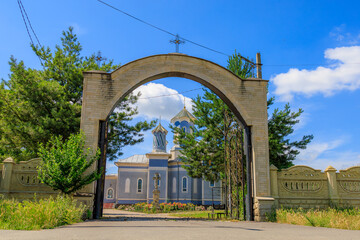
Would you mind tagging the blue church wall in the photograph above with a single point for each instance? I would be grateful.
(127, 192)
(173, 186)
(211, 193)
(179, 195)
(110, 185)
(158, 163)
(197, 190)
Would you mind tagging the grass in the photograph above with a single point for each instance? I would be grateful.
(193, 214)
(40, 214)
(346, 218)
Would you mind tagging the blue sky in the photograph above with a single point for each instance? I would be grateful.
(310, 51)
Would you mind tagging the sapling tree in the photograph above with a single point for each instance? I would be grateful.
(65, 165)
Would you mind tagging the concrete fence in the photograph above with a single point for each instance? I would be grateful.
(303, 186)
(297, 186)
(20, 181)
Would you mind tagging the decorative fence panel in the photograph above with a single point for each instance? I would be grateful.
(348, 186)
(20, 181)
(303, 186)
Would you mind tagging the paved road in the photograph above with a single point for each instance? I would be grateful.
(124, 225)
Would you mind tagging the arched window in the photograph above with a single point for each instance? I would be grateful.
(184, 184)
(184, 129)
(195, 185)
(127, 185)
(139, 185)
(110, 193)
(174, 185)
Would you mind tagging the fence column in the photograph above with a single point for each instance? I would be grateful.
(331, 177)
(274, 183)
(6, 175)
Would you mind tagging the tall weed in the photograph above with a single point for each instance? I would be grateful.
(342, 218)
(40, 214)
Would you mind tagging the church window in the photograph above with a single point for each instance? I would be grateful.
(194, 185)
(184, 184)
(139, 185)
(212, 184)
(174, 185)
(127, 185)
(184, 129)
(110, 193)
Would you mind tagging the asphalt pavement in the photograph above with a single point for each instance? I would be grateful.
(124, 225)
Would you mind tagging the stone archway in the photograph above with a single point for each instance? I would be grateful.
(246, 98)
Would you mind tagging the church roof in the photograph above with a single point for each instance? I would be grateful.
(135, 159)
(159, 128)
(183, 114)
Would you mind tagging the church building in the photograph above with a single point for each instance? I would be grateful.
(134, 182)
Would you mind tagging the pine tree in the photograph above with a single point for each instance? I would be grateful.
(203, 149)
(36, 105)
(282, 150)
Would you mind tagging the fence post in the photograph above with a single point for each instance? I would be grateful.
(258, 66)
(6, 175)
(274, 183)
(332, 183)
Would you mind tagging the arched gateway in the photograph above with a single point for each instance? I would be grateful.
(245, 97)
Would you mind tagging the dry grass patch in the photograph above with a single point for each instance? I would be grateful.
(348, 218)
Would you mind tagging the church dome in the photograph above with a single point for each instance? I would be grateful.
(184, 114)
(159, 128)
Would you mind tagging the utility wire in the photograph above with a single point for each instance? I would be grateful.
(22, 11)
(27, 29)
(303, 64)
(170, 33)
(168, 95)
(29, 23)
(203, 46)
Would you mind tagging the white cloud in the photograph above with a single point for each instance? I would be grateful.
(158, 100)
(111, 168)
(339, 34)
(78, 30)
(344, 75)
(320, 155)
(313, 150)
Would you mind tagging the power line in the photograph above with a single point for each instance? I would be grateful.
(27, 29)
(303, 64)
(168, 95)
(22, 11)
(29, 23)
(170, 33)
(203, 46)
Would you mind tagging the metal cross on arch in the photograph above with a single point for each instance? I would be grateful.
(177, 41)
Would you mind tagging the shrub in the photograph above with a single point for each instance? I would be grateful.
(40, 214)
(164, 207)
(64, 164)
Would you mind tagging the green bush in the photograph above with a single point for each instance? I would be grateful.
(164, 207)
(40, 214)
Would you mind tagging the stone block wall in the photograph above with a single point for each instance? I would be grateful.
(303, 186)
